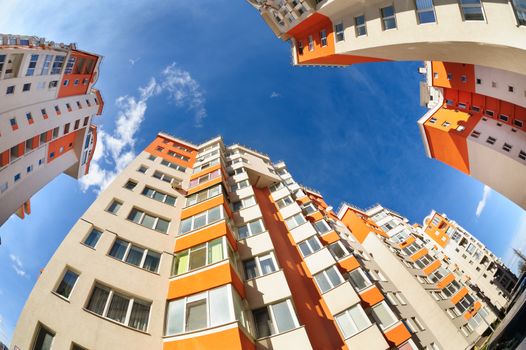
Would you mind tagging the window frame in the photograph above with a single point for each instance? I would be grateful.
(208, 259)
(347, 312)
(206, 213)
(469, 5)
(129, 246)
(143, 213)
(259, 271)
(388, 18)
(325, 275)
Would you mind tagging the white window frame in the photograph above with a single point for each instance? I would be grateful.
(389, 312)
(282, 202)
(360, 26)
(464, 6)
(127, 251)
(347, 313)
(210, 193)
(424, 10)
(324, 274)
(155, 191)
(240, 185)
(338, 33)
(249, 228)
(224, 248)
(366, 278)
(307, 243)
(257, 259)
(323, 223)
(342, 246)
(244, 203)
(141, 219)
(207, 222)
(294, 221)
(384, 19)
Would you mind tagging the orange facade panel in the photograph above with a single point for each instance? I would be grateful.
(453, 75)
(232, 338)
(419, 254)
(206, 234)
(315, 216)
(206, 171)
(198, 281)
(476, 307)
(78, 77)
(446, 280)
(204, 185)
(348, 264)
(397, 335)
(329, 237)
(459, 295)
(356, 224)
(61, 145)
(371, 296)
(429, 269)
(203, 206)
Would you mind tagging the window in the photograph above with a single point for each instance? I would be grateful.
(504, 117)
(57, 64)
(202, 219)
(173, 166)
(26, 87)
(511, 88)
(360, 25)
(283, 202)
(338, 250)
(148, 220)
(309, 246)
(141, 257)
(438, 274)
(491, 140)
(323, 37)
(45, 66)
(465, 303)
(322, 226)
(93, 238)
(130, 185)
(309, 208)
(240, 185)
(199, 256)
(328, 279)
(260, 265)
(383, 315)
(388, 18)
(338, 28)
(451, 288)
(295, 221)
(162, 176)
(207, 309)
(142, 169)
(10, 90)
(66, 128)
(177, 155)
(118, 307)
(424, 261)
(522, 155)
(311, 43)
(472, 10)
(244, 203)
(203, 195)
(519, 7)
(43, 339)
(67, 283)
(352, 321)
(358, 279)
(446, 124)
(475, 134)
(158, 196)
(66, 82)
(425, 11)
(507, 147)
(114, 207)
(518, 123)
(275, 319)
(250, 229)
(411, 249)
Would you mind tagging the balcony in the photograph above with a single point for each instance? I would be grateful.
(341, 298)
(302, 232)
(254, 245)
(370, 338)
(267, 289)
(320, 260)
(294, 339)
(282, 192)
(290, 210)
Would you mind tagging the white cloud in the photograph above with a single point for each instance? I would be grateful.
(117, 149)
(275, 94)
(18, 266)
(482, 203)
(134, 60)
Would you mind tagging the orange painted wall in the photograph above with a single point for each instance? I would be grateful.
(348, 264)
(310, 306)
(207, 234)
(431, 267)
(65, 141)
(446, 280)
(459, 295)
(203, 206)
(329, 237)
(418, 254)
(371, 296)
(397, 335)
(231, 339)
(356, 224)
(457, 70)
(80, 89)
(442, 238)
(170, 146)
(204, 280)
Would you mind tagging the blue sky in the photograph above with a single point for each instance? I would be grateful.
(197, 69)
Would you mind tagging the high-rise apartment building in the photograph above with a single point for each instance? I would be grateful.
(477, 117)
(47, 102)
(479, 266)
(448, 302)
(212, 247)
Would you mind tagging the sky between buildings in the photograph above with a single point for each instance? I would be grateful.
(198, 69)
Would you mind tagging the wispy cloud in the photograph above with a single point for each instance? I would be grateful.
(134, 60)
(482, 203)
(17, 265)
(275, 94)
(116, 150)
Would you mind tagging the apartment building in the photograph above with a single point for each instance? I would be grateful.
(444, 304)
(476, 123)
(204, 246)
(467, 255)
(342, 32)
(47, 103)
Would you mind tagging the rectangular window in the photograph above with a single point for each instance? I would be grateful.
(69, 65)
(93, 238)
(424, 261)
(240, 185)
(360, 25)
(10, 90)
(45, 66)
(425, 11)
(472, 10)
(359, 280)
(32, 64)
(275, 319)
(43, 339)
(338, 29)
(142, 169)
(162, 176)
(491, 140)
(158, 196)
(69, 279)
(199, 311)
(311, 43)
(250, 229)
(295, 221)
(522, 155)
(322, 227)
(465, 303)
(285, 201)
(177, 155)
(383, 315)
(328, 279)
(323, 37)
(57, 64)
(202, 219)
(26, 87)
(173, 165)
(114, 207)
(519, 7)
(147, 220)
(141, 257)
(339, 250)
(199, 256)
(309, 246)
(388, 18)
(507, 147)
(451, 288)
(203, 195)
(260, 265)
(352, 321)
(244, 203)
(129, 311)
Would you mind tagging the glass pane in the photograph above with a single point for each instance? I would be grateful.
(358, 280)
(263, 322)
(383, 316)
(305, 249)
(67, 283)
(135, 215)
(256, 227)
(283, 316)
(118, 307)
(314, 243)
(170, 200)
(162, 225)
(214, 214)
(334, 276)
(98, 299)
(148, 192)
(250, 269)
(215, 251)
(158, 196)
(151, 263)
(337, 250)
(175, 317)
(119, 249)
(346, 325)
(358, 316)
(322, 282)
(243, 231)
(135, 256)
(186, 225)
(214, 191)
(198, 257)
(139, 316)
(267, 264)
(182, 262)
(199, 220)
(93, 238)
(44, 340)
(196, 315)
(220, 311)
(148, 221)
